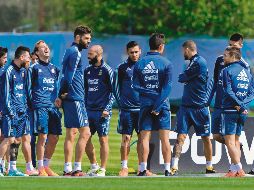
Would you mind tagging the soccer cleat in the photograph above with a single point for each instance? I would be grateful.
(91, 172)
(100, 172)
(240, 173)
(123, 172)
(251, 172)
(50, 172)
(173, 171)
(167, 173)
(78, 173)
(142, 173)
(1, 174)
(210, 170)
(1, 171)
(33, 172)
(16, 173)
(230, 174)
(42, 172)
(67, 173)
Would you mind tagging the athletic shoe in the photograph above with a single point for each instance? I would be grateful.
(16, 173)
(91, 172)
(42, 172)
(33, 172)
(1, 174)
(1, 171)
(142, 173)
(67, 173)
(210, 170)
(251, 172)
(50, 172)
(240, 173)
(173, 171)
(78, 173)
(123, 172)
(230, 174)
(100, 172)
(167, 173)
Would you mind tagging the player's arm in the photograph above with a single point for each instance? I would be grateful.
(117, 82)
(190, 73)
(7, 93)
(111, 95)
(29, 86)
(165, 91)
(85, 85)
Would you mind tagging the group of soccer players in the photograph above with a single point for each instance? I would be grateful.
(31, 96)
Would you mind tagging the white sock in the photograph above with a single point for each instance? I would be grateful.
(77, 166)
(94, 166)
(68, 167)
(232, 168)
(29, 166)
(40, 163)
(209, 164)
(103, 169)
(124, 163)
(143, 166)
(1, 161)
(139, 167)
(175, 162)
(13, 165)
(238, 166)
(46, 162)
(167, 166)
(9, 166)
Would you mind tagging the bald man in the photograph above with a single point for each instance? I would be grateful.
(98, 79)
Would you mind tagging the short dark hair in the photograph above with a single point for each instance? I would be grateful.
(81, 30)
(234, 52)
(131, 44)
(3, 51)
(190, 44)
(20, 51)
(236, 37)
(155, 40)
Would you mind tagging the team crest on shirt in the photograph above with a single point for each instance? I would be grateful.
(52, 70)
(100, 72)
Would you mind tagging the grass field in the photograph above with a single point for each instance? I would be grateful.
(112, 170)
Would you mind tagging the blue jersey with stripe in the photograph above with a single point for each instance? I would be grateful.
(15, 90)
(152, 78)
(99, 87)
(72, 81)
(2, 72)
(126, 97)
(195, 79)
(43, 84)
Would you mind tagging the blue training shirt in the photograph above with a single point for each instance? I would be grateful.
(152, 78)
(195, 79)
(15, 90)
(43, 81)
(2, 72)
(72, 81)
(126, 97)
(98, 87)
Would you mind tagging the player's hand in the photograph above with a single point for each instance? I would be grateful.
(237, 108)
(64, 95)
(245, 112)
(58, 102)
(0, 113)
(155, 113)
(105, 114)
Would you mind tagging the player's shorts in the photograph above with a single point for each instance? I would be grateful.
(151, 122)
(97, 123)
(216, 121)
(232, 123)
(47, 121)
(127, 122)
(75, 115)
(16, 126)
(198, 118)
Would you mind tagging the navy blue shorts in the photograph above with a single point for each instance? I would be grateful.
(97, 123)
(47, 121)
(232, 123)
(75, 115)
(151, 122)
(127, 122)
(16, 126)
(198, 118)
(216, 121)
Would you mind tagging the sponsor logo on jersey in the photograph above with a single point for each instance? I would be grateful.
(48, 80)
(150, 69)
(242, 76)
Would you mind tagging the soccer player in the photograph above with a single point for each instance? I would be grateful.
(3, 61)
(236, 82)
(99, 98)
(43, 78)
(193, 111)
(15, 118)
(71, 95)
(152, 78)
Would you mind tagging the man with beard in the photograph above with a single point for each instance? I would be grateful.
(71, 96)
(15, 118)
(99, 98)
(42, 89)
(193, 111)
